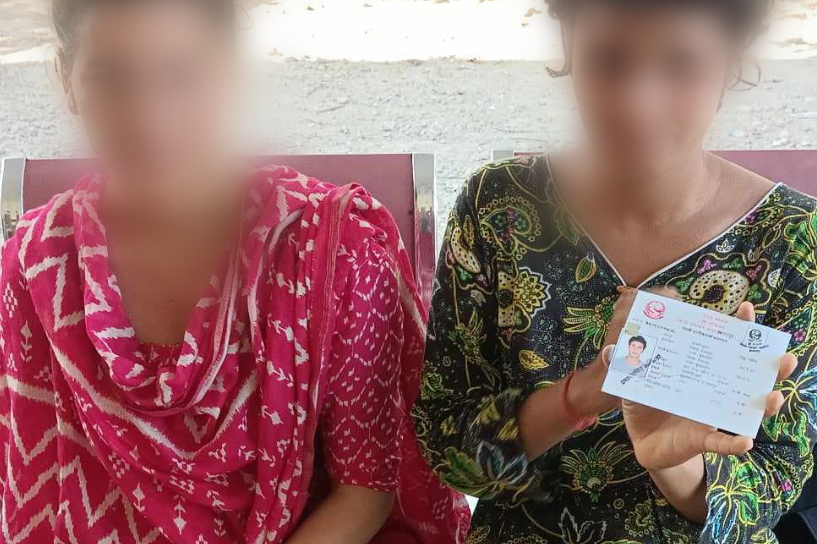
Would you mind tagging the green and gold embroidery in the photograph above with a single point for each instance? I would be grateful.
(591, 323)
(593, 469)
(523, 297)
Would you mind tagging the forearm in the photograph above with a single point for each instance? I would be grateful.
(545, 420)
(349, 515)
(684, 487)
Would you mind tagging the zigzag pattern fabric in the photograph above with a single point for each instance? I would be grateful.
(103, 442)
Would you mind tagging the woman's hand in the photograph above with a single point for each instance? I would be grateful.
(621, 309)
(585, 393)
(663, 440)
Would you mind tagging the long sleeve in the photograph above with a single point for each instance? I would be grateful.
(747, 495)
(10, 275)
(362, 419)
(4, 403)
(466, 416)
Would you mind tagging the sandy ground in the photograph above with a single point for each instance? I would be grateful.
(354, 76)
(389, 30)
(457, 109)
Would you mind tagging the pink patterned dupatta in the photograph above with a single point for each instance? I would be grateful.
(103, 445)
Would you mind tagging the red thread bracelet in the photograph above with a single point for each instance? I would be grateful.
(580, 421)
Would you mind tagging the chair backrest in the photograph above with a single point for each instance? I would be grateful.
(403, 183)
(796, 168)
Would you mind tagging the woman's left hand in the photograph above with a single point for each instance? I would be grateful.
(661, 440)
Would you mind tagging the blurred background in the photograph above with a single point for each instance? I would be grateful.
(454, 77)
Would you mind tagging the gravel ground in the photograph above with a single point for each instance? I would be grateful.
(457, 109)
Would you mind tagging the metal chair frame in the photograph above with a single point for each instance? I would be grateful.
(12, 188)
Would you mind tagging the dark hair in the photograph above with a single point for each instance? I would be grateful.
(66, 14)
(745, 19)
(640, 339)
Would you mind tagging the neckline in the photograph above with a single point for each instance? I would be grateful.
(760, 203)
(201, 353)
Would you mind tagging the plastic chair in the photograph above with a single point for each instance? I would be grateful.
(796, 168)
(403, 183)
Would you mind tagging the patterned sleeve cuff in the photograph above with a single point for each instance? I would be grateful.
(495, 465)
(743, 499)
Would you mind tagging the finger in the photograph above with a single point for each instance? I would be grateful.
(726, 444)
(774, 402)
(666, 291)
(626, 292)
(788, 364)
(746, 311)
(624, 302)
(607, 355)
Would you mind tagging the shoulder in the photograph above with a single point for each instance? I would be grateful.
(367, 231)
(289, 191)
(508, 206)
(770, 201)
(619, 363)
(52, 220)
(785, 227)
(518, 178)
(286, 189)
(362, 217)
(793, 200)
(22, 252)
(787, 215)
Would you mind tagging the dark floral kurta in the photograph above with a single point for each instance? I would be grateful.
(523, 297)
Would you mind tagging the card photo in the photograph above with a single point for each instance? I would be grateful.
(633, 353)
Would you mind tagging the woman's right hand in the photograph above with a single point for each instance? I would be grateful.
(621, 309)
(585, 390)
(585, 394)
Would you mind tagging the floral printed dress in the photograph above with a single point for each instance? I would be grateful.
(523, 298)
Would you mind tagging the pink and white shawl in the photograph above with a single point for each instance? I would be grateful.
(101, 446)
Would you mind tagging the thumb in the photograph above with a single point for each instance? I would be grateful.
(607, 355)
(746, 311)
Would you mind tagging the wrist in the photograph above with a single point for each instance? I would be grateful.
(684, 488)
(585, 394)
(691, 466)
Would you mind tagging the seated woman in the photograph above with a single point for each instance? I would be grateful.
(193, 352)
(541, 260)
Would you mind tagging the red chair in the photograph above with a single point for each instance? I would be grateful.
(404, 184)
(796, 168)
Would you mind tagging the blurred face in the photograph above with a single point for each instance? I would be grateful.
(151, 82)
(648, 82)
(636, 349)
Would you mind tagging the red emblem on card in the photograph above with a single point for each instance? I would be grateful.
(655, 309)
